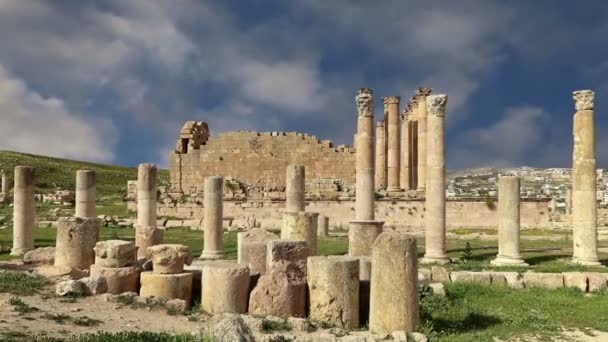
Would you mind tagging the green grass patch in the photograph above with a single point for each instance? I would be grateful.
(21, 306)
(21, 284)
(270, 326)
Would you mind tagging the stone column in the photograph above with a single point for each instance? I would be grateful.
(394, 284)
(361, 236)
(23, 210)
(394, 145)
(76, 240)
(146, 232)
(252, 248)
(322, 226)
(300, 226)
(214, 234)
(508, 223)
(568, 201)
(434, 217)
(85, 193)
(5, 185)
(584, 211)
(404, 173)
(421, 95)
(365, 188)
(380, 178)
(333, 284)
(225, 287)
(295, 188)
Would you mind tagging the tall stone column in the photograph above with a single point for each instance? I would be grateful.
(508, 223)
(421, 95)
(568, 201)
(5, 185)
(23, 210)
(214, 210)
(380, 156)
(404, 170)
(365, 189)
(394, 284)
(85, 193)
(584, 212)
(394, 145)
(435, 234)
(295, 188)
(146, 232)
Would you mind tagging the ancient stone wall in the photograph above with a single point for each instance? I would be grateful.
(258, 159)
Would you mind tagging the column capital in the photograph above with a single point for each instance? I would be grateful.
(391, 99)
(380, 123)
(435, 104)
(423, 92)
(583, 99)
(365, 102)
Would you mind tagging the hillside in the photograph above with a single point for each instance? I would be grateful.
(60, 174)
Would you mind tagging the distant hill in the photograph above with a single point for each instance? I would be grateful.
(60, 174)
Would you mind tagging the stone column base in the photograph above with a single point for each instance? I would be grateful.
(361, 236)
(211, 255)
(119, 279)
(167, 286)
(20, 251)
(508, 261)
(578, 261)
(428, 260)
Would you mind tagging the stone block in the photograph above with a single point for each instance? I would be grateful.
(40, 256)
(225, 287)
(166, 286)
(169, 258)
(596, 281)
(546, 280)
(76, 238)
(282, 251)
(281, 291)
(115, 253)
(252, 249)
(440, 274)
(118, 279)
(511, 279)
(483, 278)
(575, 279)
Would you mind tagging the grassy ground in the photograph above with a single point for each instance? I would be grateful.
(60, 174)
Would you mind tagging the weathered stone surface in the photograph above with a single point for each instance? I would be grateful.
(76, 238)
(85, 193)
(438, 289)
(95, 285)
(213, 242)
(57, 272)
(225, 287)
(118, 279)
(232, 328)
(333, 287)
(424, 275)
(361, 236)
(177, 306)
(511, 279)
(252, 248)
(70, 288)
(280, 251)
(23, 210)
(40, 256)
(508, 223)
(440, 274)
(596, 280)
(167, 286)
(115, 253)
(280, 292)
(471, 277)
(547, 280)
(301, 226)
(294, 188)
(169, 258)
(575, 279)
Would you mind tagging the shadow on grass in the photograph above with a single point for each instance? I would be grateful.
(539, 259)
(472, 322)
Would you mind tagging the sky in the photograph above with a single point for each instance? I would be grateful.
(113, 81)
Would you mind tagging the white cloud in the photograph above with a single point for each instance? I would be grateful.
(44, 125)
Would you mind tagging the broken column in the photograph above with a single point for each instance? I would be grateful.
(168, 280)
(214, 216)
(333, 285)
(322, 226)
(23, 210)
(508, 223)
(404, 173)
(252, 248)
(364, 228)
(393, 158)
(76, 240)
(282, 290)
(146, 232)
(435, 233)
(380, 177)
(584, 211)
(394, 284)
(421, 95)
(115, 260)
(300, 226)
(295, 188)
(85, 193)
(225, 287)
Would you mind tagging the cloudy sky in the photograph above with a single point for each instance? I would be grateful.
(114, 80)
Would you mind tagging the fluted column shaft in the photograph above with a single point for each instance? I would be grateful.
(421, 96)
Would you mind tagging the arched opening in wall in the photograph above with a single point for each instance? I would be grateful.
(184, 145)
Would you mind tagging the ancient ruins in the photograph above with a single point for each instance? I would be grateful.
(391, 185)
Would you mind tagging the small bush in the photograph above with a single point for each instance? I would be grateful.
(467, 253)
(20, 306)
(269, 326)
